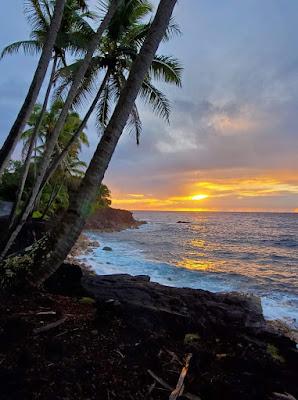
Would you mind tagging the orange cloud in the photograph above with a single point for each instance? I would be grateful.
(253, 187)
(230, 194)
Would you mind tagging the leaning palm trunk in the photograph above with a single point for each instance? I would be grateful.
(54, 248)
(30, 100)
(53, 197)
(60, 157)
(26, 166)
(52, 139)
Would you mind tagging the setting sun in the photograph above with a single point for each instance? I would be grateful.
(200, 197)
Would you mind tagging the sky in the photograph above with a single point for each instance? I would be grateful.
(232, 141)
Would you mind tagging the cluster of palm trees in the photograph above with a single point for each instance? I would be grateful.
(111, 67)
(55, 193)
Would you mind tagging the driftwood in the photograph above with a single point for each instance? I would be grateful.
(178, 391)
(52, 325)
(187, 395)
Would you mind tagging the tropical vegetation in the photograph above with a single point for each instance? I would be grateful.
(111, 66)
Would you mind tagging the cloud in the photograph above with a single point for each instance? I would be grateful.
(208, 192)
(233, 124)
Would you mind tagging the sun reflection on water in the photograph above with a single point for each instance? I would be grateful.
(198, 243)
(196, 265)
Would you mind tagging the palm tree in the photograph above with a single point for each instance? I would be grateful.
(25, 111)
(115, 55)
(53, 249)
(72, 36)
(52, 140)
(72, 164)
(71, 125)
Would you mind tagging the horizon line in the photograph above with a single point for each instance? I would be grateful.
(219, 211)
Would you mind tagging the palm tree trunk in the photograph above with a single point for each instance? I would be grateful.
(59, 242)
(31, 145)
(53, 196)
(27, 107)
(52, 139)
(60, 157)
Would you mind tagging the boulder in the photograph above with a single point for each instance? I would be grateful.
(190, 309)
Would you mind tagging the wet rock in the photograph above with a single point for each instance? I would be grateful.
(195, 310)
(145, 278)
(107, 248)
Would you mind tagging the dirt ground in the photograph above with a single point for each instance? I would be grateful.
(94, 353)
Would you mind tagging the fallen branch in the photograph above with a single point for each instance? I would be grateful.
(187, 395)
(178, 391)
(174, 357)
(49, 326)
(159, 380)
(46, 313)
(120, 354)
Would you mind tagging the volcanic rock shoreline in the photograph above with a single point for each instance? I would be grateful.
(111, 219)
(124, 337)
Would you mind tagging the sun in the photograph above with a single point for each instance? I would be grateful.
(200, 197)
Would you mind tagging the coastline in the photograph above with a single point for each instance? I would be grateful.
(103, 220)
(86, 245)
(121, 335)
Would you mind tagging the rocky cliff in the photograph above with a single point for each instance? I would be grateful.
(112, 219)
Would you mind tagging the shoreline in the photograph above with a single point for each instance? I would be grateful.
(121, 335)
(86, 245)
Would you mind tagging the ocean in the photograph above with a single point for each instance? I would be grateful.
(247, 252)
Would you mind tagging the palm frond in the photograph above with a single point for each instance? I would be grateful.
(47, 9)
(173, 29)
(35, 15)
(135, 124)
(104, 107)
(158, 101)
(128, 14)
(88, 85)
(29, 47)
(167, 69)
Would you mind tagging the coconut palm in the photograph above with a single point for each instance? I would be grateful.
(72, 37)
(52, 140)
(71, 125)
(50, 253)
(71, 166)
(115, 55)
(36, 84)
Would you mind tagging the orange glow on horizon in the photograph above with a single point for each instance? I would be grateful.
(251, 194)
